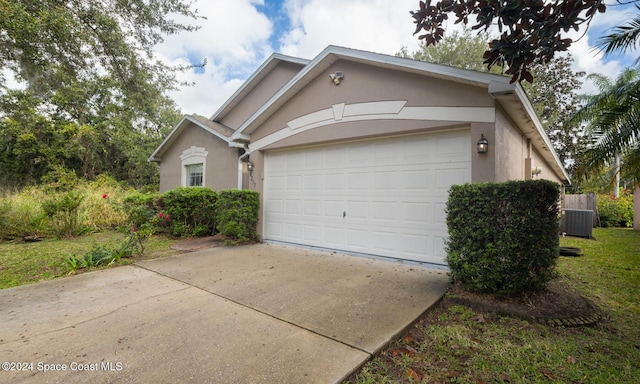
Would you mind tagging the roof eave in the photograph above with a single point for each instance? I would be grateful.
(257, 75)
(333, 53)
(156, 156)
(508, 94)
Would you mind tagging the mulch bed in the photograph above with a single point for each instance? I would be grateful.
(558, 305)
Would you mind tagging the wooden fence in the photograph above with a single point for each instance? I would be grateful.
(588, 201)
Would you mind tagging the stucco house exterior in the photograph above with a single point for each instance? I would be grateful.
(355, 151)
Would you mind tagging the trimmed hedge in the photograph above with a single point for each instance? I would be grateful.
(237, 214)
(196, 211)
(503, 237)
(191, 210)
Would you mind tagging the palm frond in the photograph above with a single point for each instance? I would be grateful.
(622, 38)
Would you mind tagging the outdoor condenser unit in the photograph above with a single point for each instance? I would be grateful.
(578, 222)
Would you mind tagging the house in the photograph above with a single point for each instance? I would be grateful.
(355, 151)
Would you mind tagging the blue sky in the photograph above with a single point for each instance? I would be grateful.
(238, 35)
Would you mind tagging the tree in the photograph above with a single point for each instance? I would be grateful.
(458, 49)
(553, 96)
(48, 41)
(613, 120)
(555, 99)
(530, 30)
(614, 114)
(88, 65)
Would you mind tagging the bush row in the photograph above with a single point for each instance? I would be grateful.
(503, 237)
(90, 207)
(616, 212)
(197, 211)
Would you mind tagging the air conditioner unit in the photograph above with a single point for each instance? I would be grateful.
(578, 222)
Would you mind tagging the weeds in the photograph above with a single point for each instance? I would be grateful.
(101, 255)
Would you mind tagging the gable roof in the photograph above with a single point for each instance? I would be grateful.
(511, 97)
(215, 128)
(212, 124)
(263, 71)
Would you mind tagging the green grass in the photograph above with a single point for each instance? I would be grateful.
(452, 344)
(26, 263)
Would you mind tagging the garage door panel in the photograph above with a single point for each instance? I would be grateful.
(385, 180)
(359, 181)
(358, 240)
(335, 181)
(384, 241)
(275, 206)
(414, 246)
(383, 197)
(313, 208)
(445, 178)
(440, 215)
(314, 182)
(333, 236)
(293, 207)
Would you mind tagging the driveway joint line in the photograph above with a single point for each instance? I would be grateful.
(257, 310)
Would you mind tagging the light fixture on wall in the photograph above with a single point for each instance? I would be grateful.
(483, 144)
(536, 171)
(336, 77)
(250, 167)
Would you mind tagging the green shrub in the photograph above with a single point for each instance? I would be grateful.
(503, 237)
(142, 208)
(616, 212)
(190, 210)
(237, 214)
(63, 212)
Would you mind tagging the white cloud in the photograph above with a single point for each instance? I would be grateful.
(382, 26)
(233, 39)
(236, 39)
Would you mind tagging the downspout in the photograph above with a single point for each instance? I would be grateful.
(240, 160)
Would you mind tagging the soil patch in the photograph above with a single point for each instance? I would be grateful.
(193, 244)
(558, 305)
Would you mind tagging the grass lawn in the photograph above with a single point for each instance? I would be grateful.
(26, 263)
(453, 344)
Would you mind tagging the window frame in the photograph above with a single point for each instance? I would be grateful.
(193, 156)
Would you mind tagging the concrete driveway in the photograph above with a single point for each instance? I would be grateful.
(251, 314)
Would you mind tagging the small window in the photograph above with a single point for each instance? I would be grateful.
(194, 175)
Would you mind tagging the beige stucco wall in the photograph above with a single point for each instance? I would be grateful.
(483, 165)
(262, 92)
(511, 151)
(221, 169)
(364, 83)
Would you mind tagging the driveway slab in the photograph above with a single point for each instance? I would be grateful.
(362, 302)
(259, 314)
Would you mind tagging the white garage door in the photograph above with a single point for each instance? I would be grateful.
(383, 197)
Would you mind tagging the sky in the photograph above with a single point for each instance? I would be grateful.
(239, 35)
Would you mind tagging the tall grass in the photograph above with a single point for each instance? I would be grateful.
(22, 215)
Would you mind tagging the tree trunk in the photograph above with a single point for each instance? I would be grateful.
(636, 205)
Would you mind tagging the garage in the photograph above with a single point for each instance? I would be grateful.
(383, 197)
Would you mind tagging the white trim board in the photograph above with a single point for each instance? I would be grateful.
(378, 110)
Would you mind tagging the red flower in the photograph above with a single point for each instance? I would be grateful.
(105, 196)
(167, 217)
(161, 215)
(134, 229)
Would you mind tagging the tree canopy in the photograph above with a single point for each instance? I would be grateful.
(530, 30)
(90, 95)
